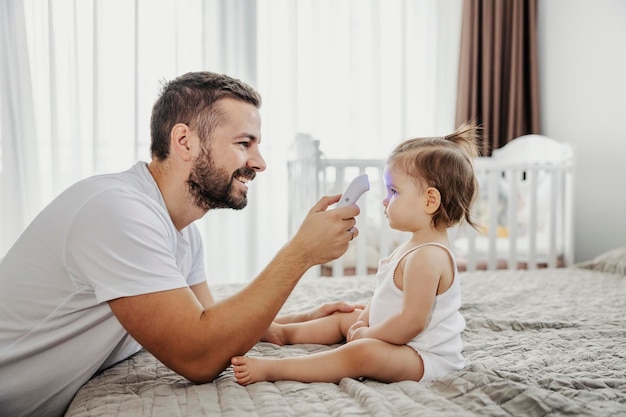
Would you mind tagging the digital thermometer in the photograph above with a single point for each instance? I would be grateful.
(357, 187)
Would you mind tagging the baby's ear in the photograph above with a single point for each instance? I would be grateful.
(433, 200)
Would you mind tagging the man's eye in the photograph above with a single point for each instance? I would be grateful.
(245, 144)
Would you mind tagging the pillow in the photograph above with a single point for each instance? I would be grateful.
(613, 261)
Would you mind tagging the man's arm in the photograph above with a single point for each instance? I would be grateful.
(203, 294)
(322, 310)
(198, 341)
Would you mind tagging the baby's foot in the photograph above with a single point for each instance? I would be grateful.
(249, 370)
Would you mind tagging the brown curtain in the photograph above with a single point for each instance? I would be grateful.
(498, 85)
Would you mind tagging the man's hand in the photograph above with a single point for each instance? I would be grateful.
(324, 234)
(322, 310)
(327, 309)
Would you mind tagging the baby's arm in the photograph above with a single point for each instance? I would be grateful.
(365, 315)
(358, 329)
(419, 275)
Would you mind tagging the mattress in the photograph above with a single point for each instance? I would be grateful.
(537, 343)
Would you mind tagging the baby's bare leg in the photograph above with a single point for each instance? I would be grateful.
(370, 358)
(325, 330)
(274, 334)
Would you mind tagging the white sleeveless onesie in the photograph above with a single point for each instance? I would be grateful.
(439, 344)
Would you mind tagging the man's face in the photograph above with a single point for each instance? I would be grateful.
(212, 186)
(220, 172)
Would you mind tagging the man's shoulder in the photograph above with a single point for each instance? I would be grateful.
(119, 185)
(137, 176)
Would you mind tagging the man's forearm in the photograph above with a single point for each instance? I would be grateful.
(234, 325)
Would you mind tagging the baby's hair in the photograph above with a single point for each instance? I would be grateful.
(445, 163)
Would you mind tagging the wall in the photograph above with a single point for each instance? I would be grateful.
(582, 59)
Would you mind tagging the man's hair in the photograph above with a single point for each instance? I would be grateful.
(191, 99)
(445, 163)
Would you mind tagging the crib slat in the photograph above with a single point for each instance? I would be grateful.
(555, 194)
(361, 248)
(384, 238)
(512, 175)
(338, 188)
(532, 174)
(568, 213)
(492, 256)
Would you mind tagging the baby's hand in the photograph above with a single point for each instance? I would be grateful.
(357, 331)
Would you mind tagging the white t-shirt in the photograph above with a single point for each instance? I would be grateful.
(106, 237)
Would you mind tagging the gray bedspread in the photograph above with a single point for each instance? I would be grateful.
(538, 343)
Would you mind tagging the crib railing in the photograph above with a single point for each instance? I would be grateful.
(334, 177)
(524, 211)
(525, 216)
(311, 175)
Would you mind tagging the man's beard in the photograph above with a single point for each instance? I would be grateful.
(211, 187)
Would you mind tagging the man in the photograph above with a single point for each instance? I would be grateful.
(115, 262)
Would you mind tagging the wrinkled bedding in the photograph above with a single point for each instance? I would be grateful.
(537, 343)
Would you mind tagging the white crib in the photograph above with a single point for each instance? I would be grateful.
(524, 207)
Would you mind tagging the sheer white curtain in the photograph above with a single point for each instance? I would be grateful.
(78, 79)
(359, 75)
(97, 67)
(18, 176)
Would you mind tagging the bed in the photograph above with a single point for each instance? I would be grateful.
(542, 342)
(524, 206)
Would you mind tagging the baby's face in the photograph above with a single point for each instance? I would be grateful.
(404, 202)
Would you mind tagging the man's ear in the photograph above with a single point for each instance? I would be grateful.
(180, 141)
(433, 200)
